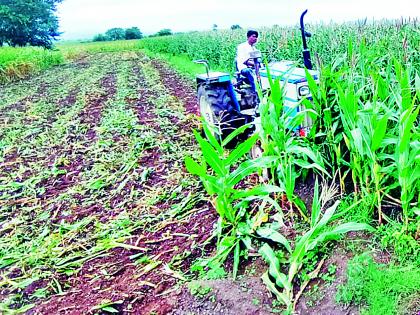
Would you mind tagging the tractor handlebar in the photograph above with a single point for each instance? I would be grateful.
(203, 62)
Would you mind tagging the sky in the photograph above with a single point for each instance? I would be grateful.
(82, 19)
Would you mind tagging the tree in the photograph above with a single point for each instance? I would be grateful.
(133, 33)
(116, 33)
(100, 38)
(164, 32)
(235, 27)
(32, 22)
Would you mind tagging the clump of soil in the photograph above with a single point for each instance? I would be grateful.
(247, 296)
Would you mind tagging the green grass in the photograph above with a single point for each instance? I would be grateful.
(182, 63)
(381, 289)
(75, 50)
(17, 63)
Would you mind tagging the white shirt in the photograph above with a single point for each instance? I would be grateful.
(242, 54)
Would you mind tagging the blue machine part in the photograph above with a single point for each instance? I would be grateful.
(287, 72)
(214, 77)
(232, 95)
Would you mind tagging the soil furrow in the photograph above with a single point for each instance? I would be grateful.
(90, 116)
(176, 243)
(178, 86)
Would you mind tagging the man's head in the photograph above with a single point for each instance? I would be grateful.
(252, 37)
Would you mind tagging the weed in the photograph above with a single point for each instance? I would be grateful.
(406, 248)
(378, 287)
(329, 276)
(198, 289)
(256, 302)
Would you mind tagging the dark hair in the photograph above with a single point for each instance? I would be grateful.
(251, 32)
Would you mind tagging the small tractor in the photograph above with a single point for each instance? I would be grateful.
(227, 104)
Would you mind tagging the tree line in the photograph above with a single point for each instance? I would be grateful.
(118, 33)
(33, 22)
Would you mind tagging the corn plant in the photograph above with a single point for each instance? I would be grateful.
(281, 283)
(231, 203)
(278, 138)
(284, 43)
(405, 164)
(364, 133)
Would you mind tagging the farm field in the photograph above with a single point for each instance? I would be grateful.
(92, 178)
(110, 202)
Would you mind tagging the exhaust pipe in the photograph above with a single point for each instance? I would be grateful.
(305, 52)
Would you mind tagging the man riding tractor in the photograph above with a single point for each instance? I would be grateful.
(227, 104)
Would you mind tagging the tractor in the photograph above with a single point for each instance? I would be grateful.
(227, 104)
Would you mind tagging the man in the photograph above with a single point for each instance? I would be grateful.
(243, 61)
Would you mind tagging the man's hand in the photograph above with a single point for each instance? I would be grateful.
(250, 63)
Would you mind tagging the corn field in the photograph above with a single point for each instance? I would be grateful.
(116, 198)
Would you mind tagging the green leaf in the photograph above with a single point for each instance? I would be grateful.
(327, 216)
(249, 167)
(274, 267)
(236, 258)
(97, 184)
(193, 167)
(408, 118)
(262, 190)
(241, 150)
(272, 287)
(379, 133)
(339, 230)
(275, 236)
(316, 205)
(210, 155)
(235, 133)
(110, 309)
(211, 138)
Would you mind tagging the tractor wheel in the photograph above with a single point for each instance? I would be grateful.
(216, 107)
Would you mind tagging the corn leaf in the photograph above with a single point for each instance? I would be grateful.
(272, 287)
(274, 267)
(241, 150)
(210, 155)
(269, 233)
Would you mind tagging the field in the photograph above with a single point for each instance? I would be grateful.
(113, 200)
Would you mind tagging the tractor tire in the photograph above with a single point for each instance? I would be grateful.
(216, 107)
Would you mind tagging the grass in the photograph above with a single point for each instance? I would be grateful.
(182, 63)
(381, 289)
(74, 50)
(17, 63)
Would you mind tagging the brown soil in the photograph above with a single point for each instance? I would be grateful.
(117, 276)
(178, 86)
(90, 116)
(247, 296)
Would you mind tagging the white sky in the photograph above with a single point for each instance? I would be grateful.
(81, 19)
